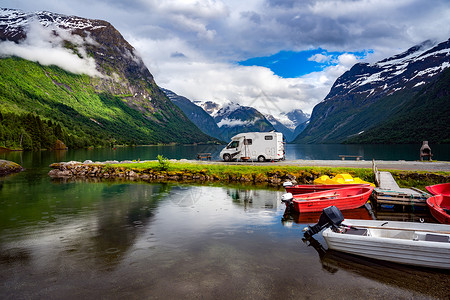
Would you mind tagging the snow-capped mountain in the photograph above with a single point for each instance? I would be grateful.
(293, 118)
(233, 118)
(13, 22)
(370, 94)
(209, 106)
(290, 124)
(410, 69)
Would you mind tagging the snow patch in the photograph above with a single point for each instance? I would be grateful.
(420, 83)
(45, 42)
(432, 71)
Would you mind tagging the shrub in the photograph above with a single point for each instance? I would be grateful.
(163, 163)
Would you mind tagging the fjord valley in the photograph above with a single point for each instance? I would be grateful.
(115, 100)
(136, 199)
(403, 99)
(111, 98)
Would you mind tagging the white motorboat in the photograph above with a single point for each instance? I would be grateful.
(417, 244)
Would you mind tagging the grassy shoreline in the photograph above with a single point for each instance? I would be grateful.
(164, 170)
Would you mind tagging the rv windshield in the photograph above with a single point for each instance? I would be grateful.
(233, 144)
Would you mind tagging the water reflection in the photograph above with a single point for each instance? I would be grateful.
(139, 240)
(253, 198)
(420, 214)
(87, 221)
(426, 282)
(291, 216)
(366, 212)
(103, 221)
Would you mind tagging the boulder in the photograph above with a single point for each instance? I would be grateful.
(59, 145)
(9, 167)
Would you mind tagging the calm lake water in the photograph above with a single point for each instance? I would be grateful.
(293, 151)
(110, 240)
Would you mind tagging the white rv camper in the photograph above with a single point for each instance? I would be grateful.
(254, 146)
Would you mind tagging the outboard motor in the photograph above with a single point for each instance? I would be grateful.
(287, 199)
(331, 216)
(287, 184)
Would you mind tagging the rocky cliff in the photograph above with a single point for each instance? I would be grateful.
(369, 95)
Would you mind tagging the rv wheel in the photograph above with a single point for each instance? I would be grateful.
(261, 158)
(226, 157)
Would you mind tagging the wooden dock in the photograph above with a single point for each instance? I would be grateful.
(389, 193)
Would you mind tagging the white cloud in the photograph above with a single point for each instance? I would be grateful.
(46, 48)
(347, 60)
(236, 122)
(200, 79)
(320, 58)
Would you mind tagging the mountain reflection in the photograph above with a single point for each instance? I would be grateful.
(83, 223)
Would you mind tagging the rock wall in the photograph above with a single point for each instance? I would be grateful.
(90, 170)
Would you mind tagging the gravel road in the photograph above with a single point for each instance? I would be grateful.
(381, 164)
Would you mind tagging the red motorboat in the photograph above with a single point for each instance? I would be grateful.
(312, 188)
(343, 198)
(439, 206)
(439, 189)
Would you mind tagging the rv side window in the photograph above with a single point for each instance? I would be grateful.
(248, 141)
(233, 144)
(268, 137)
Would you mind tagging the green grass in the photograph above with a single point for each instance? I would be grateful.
(224, 171)
(304, 175)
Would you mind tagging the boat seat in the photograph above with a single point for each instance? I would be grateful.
(356, 231)
(437, 238)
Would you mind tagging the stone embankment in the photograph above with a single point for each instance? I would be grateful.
(9, 167)
(112, 169)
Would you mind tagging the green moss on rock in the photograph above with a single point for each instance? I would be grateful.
(9, 167)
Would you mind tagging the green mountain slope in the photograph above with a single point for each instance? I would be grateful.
(428, 118)
(87, 116)
(119, 104)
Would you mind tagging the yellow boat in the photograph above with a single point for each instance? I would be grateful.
(341, 179)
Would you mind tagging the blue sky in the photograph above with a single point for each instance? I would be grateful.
(292, 64)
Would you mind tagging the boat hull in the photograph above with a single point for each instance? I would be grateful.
(437, 205)
(312, 188)
(346, 198)
(407, 248)
(439, 189)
